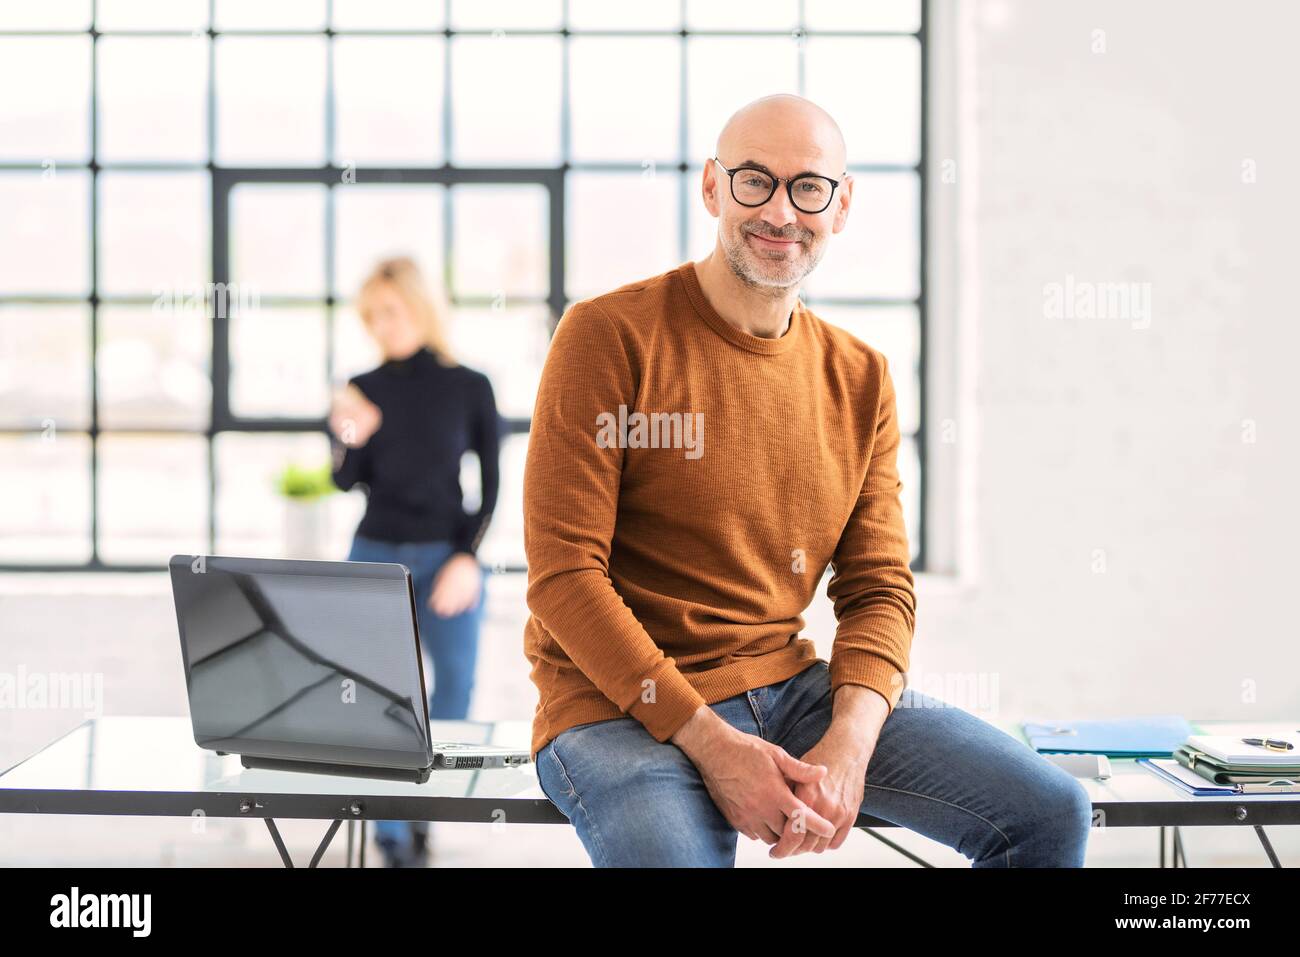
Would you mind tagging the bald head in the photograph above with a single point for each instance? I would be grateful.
(771, 246)
(784, 125)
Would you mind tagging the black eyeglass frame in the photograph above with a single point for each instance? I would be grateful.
(777, 181)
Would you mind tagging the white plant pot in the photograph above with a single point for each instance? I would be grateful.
(305, 528)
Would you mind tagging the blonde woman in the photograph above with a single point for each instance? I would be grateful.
(400, 431)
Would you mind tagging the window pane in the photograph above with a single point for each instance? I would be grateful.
(616, 114)
(142, 119)
(280, 15)
(374, 222)
(895, 331)
(277, 363)
(277, 238)
(504, 541)
(44, 367)
(703, 235)
(387, 14)
(154, 366)
(505, 15)
(751, 15)
(500, 123)
(251, 512)
(153, 497)
(605, 251)
(153, 233)
(471, 482)
(878, 252)
(388, 95)
(45, 242)
(151, 15)
(499, 240)
(67, 15)
(354, 350)
(46, 113)
(723, 78)
(270, 101)
(876, 15)
(872, 86)
(509, 346)
(45, 511)
(603, 15)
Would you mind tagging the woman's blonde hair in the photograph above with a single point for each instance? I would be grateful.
(429, 308)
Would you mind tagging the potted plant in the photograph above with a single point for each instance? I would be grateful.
(306, 518)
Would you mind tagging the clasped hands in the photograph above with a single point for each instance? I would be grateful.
(797, 805)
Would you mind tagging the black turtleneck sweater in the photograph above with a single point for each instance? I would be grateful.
(410, 468)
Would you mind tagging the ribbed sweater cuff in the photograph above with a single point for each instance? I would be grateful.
(853, 666)
(673, 701)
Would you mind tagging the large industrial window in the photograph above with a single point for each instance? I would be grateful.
(157, 156)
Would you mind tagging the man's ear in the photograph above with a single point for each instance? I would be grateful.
(710, 196)
(844, 199)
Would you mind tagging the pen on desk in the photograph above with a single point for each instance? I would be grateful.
(1270, 743)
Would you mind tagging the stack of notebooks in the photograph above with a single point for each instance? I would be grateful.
(1256, 761)
(1223, 764)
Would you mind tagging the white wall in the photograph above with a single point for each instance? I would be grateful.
(1101, 434)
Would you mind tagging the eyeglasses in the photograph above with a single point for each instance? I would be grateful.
(751, 186)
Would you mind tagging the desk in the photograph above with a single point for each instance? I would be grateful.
(150, 766)
(1135, 797)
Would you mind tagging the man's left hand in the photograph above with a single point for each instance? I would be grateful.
(836, 797)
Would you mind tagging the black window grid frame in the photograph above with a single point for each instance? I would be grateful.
(222, 179)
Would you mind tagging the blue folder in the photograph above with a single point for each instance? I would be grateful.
(1207, 789)
(1156, 736)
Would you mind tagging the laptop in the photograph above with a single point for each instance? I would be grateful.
(312, 666)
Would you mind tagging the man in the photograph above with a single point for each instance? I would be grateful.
(702, 448)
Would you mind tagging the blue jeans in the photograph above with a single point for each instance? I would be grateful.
(936, 770)
(452, 643)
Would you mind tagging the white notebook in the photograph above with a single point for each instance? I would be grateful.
(1232, 750)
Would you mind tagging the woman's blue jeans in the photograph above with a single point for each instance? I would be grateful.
(451, 643)
(936, 770)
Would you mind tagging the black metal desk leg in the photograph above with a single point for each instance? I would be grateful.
(1268, 848)
(329, 836)
(279, 843)
(320, 851)
(1177, 853)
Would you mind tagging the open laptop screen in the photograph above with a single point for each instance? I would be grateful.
(305, 660)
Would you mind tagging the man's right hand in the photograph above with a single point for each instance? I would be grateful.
(747, 778)
(353, 417)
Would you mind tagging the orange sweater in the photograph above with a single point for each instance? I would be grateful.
(670, 556)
